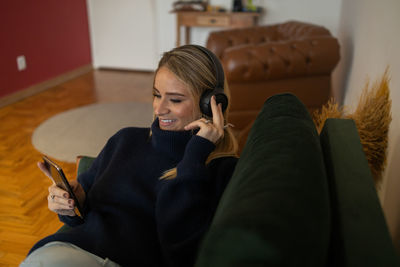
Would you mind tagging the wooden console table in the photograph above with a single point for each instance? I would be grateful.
(212, 19)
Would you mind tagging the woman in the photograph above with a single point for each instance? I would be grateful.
(151, 194)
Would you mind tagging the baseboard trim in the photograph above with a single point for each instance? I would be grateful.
(37, 88)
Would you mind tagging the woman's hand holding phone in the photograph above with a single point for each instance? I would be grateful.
(59, 200)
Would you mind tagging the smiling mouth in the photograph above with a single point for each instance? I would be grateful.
(166, 122)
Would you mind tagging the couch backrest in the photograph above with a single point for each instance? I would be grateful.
(219, 41)
(275, 210)
(295, 30)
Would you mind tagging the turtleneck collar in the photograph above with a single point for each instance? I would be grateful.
(170, 143)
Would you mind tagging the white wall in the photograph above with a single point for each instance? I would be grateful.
(370, 40)
(133, 34)
(166, 25)
(322, 12)
(123, 33)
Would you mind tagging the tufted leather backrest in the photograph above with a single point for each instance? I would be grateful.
(219, 41)
(294, 30)
(281, 60)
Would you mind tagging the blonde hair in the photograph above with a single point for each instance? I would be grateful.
(194, 68)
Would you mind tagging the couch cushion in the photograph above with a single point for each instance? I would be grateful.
(275, 210)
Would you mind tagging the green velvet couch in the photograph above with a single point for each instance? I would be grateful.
(297, 198)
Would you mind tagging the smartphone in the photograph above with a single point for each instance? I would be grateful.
(61, 181)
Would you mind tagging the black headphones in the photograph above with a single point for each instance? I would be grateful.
(218, 91)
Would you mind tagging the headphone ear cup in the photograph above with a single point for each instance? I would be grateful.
(205, 101)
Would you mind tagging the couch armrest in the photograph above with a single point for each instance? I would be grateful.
(279, 60)
(360, 236)
(83, 163)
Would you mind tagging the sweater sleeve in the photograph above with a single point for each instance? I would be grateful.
(186, 204)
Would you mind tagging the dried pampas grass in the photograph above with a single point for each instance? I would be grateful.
(329, 110)
(372, 118)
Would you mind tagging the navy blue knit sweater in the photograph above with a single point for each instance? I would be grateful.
(134, 218)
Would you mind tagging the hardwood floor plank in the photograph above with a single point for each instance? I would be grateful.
(24, 217)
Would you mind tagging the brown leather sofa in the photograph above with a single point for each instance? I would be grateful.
(262, 61)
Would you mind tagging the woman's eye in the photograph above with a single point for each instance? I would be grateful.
(176, 100)
(156, 95)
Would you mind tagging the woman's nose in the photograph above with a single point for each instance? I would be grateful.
(160, 107)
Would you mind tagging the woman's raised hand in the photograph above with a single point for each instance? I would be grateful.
(213, 131)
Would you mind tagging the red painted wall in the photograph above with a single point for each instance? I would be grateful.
(53, 35)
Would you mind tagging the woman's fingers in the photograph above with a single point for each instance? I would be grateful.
(57, 191)
(211, 130)
(61, 206)
(207, 130)
(218, 116)
(59, 201)
(65, 212)
(195, 124)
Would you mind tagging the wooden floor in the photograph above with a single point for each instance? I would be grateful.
(24, 217)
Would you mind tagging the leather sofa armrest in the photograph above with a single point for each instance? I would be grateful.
(278, 60)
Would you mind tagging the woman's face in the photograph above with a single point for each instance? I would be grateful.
(172, 102)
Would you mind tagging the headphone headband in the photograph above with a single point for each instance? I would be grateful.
(218, 91)
(219, 71)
